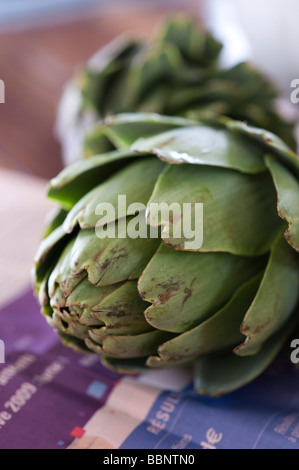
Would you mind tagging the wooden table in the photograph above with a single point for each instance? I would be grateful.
(36, 62)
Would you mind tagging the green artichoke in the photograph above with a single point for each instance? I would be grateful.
(176, 73)
(227, 305)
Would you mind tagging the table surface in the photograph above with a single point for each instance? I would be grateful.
(35, 64)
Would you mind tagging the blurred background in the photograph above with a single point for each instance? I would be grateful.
(40, 45)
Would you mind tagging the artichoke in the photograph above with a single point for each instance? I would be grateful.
(176, 73)
(227, 304)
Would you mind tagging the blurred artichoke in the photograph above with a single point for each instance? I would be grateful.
(228, 306)
(176, 73)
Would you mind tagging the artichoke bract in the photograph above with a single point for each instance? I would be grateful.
(177, 72)
(130, 286)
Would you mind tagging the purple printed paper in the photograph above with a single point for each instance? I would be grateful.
(52, 397)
